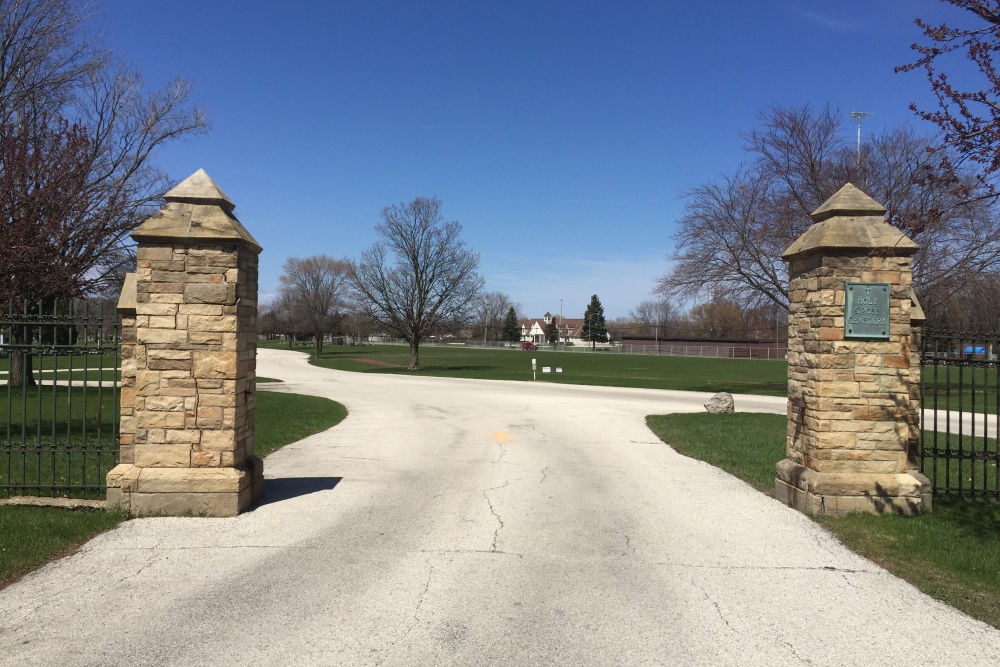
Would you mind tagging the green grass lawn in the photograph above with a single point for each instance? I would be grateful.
(959, 388)
(951, 553)
(96, 369)
(281, 419)
(969, 473)
(57, 440)
(744, 376)
(30, 536)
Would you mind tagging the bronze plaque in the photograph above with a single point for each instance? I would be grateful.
(866, 310)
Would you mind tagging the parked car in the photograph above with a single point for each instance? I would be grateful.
(528, 346)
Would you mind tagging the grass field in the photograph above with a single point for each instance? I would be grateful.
(951, 553)
(45, 363)
(281, 419)
(57, 440)
(958, 388)
(743, 376)
(30, 536)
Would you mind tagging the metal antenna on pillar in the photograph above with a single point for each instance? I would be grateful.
(858, 115)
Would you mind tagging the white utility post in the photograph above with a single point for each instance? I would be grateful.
(858, 115)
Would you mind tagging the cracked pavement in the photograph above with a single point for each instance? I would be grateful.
(462, 522)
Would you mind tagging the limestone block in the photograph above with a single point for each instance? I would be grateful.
(220, 441)
(186, 504)
(212, 310)
(162, 321)
(163, 403)
(157, 309)
(223, 323)
(213, 293)
(186, 436)
(218, 400)
(205, 337)
(154, 252)
(163, 455)
(214, 364)
(175, 276)
(206, 459)
(169, 297)
(838, 390)
(153, 288)
(168, 336)
(159, 419)
(209, 417)
(190, 480)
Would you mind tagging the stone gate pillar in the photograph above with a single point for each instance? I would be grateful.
(189, 361)
(850, 372)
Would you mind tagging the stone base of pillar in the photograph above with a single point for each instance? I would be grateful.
(214, 492)
(837, 494)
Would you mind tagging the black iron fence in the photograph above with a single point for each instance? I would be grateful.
(960, 403)
(59, 380)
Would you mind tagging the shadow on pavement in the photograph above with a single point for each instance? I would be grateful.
(286, 488)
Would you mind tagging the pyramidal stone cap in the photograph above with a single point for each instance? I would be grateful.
(197, 210)
(850, 220)
(199, 188)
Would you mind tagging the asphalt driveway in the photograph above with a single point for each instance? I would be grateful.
(462, 522)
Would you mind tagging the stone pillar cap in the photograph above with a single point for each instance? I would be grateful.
(850, 220)
(197, 211)
(127, 299)
(848, 200)
(917, 317)
(199, 188)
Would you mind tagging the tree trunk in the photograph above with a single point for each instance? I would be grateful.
(415, 355)
(21, 374)
(319, 345)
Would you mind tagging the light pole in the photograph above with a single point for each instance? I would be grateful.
(858, 115)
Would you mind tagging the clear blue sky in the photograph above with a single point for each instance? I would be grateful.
(562, 135)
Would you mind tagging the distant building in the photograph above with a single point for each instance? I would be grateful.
(571, 330)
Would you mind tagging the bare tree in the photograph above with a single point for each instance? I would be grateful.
(490, 309)
(619, 327)
(62, 95)
(419, 275)
(653, 317)
(734, 230)
(358, 327)
(715, 319)
(315, 290)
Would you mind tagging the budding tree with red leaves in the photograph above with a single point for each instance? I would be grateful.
(54, 226)
(969, 119)
(78, 135)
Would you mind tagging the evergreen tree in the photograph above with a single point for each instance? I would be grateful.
(511, 331)
(595, 328)
(552, 332)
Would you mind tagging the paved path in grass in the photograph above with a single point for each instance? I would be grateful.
(458, 522)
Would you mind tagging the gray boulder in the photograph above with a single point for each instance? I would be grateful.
(721, 403)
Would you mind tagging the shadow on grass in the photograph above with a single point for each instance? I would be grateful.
(286, 488)
(979, 519)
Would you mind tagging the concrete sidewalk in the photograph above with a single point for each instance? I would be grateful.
(466, 522)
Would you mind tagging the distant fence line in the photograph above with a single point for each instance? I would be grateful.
(713, 351)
